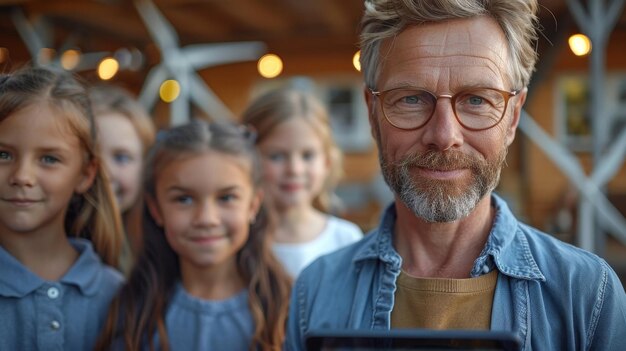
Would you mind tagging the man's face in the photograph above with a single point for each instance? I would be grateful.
(442, 170)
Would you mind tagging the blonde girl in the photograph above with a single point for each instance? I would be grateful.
(58, 220)
(302, 166)
(125, 133)
(206, 278)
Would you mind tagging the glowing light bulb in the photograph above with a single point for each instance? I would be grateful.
(270, 66)
(70, 59)
(579, 44)
(108, 68)
(169, 90)
(356, 60)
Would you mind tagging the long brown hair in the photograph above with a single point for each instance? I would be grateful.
(93, 214)
(138, 313)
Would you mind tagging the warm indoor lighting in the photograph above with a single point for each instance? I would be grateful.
(356, 60)
(4, 54)
(270, 66)
(70, 59)
(169, 90)
(45, 56)
(579, 44)
(108, 68)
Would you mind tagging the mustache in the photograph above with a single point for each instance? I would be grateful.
(442, 161)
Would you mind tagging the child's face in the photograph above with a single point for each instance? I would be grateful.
(122, 154)
(42, 164)
(205, 203)
(295, 165)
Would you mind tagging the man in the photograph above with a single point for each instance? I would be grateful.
(445, 85)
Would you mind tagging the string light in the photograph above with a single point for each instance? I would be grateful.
(169, 90)
(70, 59)
(579, 44)
(270, 66)
(108, 68)
(356, 60)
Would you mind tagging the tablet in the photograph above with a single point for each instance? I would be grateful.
(410, 339)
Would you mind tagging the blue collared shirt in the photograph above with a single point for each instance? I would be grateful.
(197, 324)
(553, 295)
(67, 314)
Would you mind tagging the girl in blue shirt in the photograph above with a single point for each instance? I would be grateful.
(206, 278)
(55, 209)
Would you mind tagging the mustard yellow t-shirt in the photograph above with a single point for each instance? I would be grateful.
(436, 303)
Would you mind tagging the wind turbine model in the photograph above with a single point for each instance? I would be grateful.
(182, 64)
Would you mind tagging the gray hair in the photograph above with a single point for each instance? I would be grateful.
(384, 19)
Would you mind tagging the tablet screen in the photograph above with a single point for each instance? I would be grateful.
(410, 339)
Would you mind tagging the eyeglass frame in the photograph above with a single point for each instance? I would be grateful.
(507, 95)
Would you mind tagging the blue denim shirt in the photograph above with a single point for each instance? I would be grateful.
(36, 314)
(553, 295)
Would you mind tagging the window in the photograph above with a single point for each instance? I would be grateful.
(573, 109)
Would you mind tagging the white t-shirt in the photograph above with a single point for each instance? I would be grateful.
(337, 234)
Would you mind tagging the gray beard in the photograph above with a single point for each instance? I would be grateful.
(441, 201)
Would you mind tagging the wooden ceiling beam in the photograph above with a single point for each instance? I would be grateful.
(336, 17)
(256, 15)
(118, 20)
(195, 23)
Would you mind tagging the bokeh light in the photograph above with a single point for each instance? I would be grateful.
(270, 66)
(580, 44)
(169, 90)
(45, 56)
(70, 59)
(108, 68)
(356, 60)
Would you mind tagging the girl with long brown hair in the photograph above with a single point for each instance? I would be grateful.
(206, 278)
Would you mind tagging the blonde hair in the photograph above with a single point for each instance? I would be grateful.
(93, 214)
(384, 19)
(277, 106)
(108, 99)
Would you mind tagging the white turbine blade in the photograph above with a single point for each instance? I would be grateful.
(204, 98)
(612, 161)
(90, 60)
(179, 108)
(150, 90)
(207, 55)
(28, 33)
(161, 30)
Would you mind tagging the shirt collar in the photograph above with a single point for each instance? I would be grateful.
(18, 281)
(506, 245)
(379, 244)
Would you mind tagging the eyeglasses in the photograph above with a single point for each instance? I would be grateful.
(476, 109)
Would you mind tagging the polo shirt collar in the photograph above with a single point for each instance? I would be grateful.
(18, 281)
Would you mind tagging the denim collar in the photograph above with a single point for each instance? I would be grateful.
(506, 247)
(18, 281)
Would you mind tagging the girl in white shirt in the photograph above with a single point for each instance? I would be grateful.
(301, 168)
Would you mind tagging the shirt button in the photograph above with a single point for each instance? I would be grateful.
(485, 269)
(53, 293)
(55, 325)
